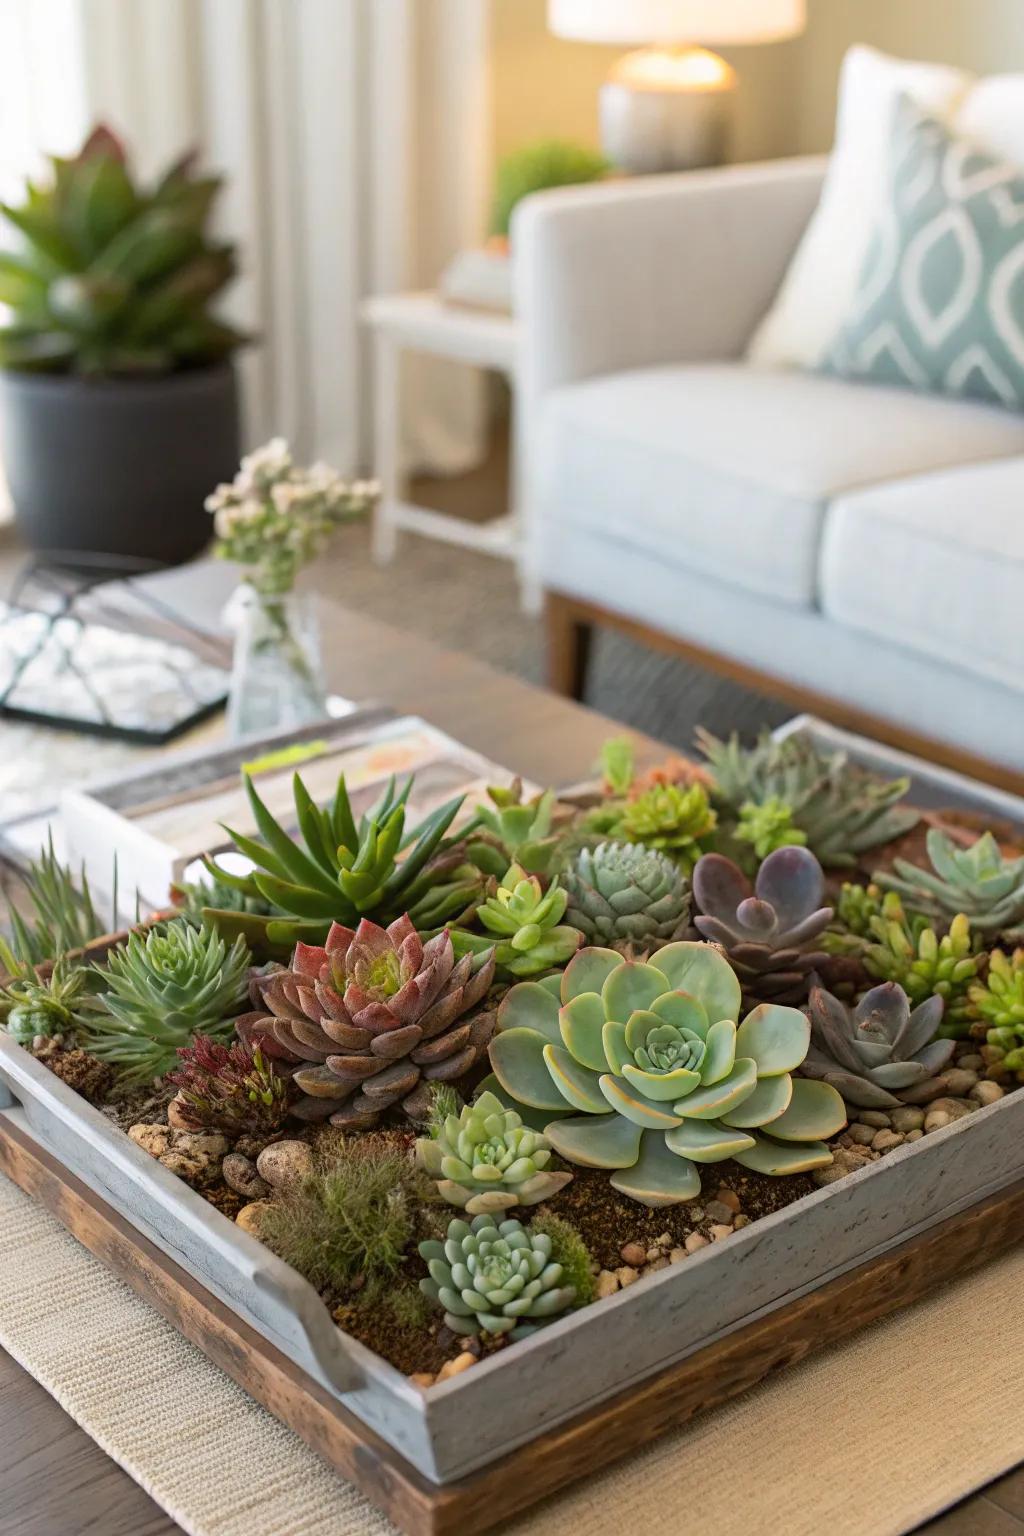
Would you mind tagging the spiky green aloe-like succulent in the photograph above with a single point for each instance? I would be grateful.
(64, 916)
(58, 1004)
(661, 1079)
(625, 896)
(343, 870)
(162, 988)
(670, 818)
(842, 809)
(881, 1053)
(524, 926)
(977, 881)
(498, 1279)
(109, 277)
(999, 1001)
(486, 1160)
(904, 951)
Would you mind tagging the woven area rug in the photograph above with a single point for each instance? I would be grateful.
(869, 1439)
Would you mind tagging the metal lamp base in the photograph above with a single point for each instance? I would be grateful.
(644, 132)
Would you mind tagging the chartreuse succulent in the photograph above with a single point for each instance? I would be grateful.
(344, 870)
(161, 988)
(977, 881)
(59, 1004)
(767, 826)
(109, 277)
(880, 1053)
(522, 829)
(672, 818)
(494, 1279)
(524, 926)
(924, 965)
(655, 1076)
(999, 1002)
(485, 1160)
(842, 809)
(623, 895)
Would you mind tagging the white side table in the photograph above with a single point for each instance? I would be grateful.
(423, 322)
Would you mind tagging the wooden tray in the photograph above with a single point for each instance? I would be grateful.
(573, 1450)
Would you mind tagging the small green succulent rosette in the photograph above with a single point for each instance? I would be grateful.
(647, 1062)
(524, 925)
(495, 1279)
(485, 1160)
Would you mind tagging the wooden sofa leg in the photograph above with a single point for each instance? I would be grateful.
(569, 637)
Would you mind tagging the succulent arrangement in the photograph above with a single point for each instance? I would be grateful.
(111, 278)
(537, 167)
(540, 1013)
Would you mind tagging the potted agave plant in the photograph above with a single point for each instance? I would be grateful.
(118, 401)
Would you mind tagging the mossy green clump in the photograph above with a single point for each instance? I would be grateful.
(569, 1250)
(538, 167)
(352, 1218)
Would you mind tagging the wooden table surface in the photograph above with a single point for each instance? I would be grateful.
(54, 1481)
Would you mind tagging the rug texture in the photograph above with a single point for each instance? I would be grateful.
(868, 1439)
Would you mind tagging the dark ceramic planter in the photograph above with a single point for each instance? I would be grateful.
(118, 466)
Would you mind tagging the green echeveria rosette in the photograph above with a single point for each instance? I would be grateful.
(622, 895)
(524, 926)
(495, 1279)
(640, 1068)
(485, 1160)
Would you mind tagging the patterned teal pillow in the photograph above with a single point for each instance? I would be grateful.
(941, 299)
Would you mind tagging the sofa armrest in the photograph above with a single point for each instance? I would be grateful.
(663, 269)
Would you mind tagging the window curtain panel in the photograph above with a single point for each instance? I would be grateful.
(353, 136)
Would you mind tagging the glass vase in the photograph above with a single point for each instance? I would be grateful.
(276, 679)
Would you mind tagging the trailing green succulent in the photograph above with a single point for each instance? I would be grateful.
(842, 809)
(999, 1001)
(161, 988)
(228, 1088)
(977, 881)
(879, 1054)
(537, 167)
(765, 929)
(521, 829)
(64, 915)
(671, 818)
(372, 1019)
(524, 926)
(661, 1079)
(625, 896)
(342, 870)
(109, 277)
(494, 1279)
(767, 827)
(485, 1160)
(904, 951)
(60, 1004)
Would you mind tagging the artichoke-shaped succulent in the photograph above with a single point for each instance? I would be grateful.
(842, 809)
(525, 924)
(623, 895)
(494, 1278)
(485, 1160)
(648, 1061)
(669, 817)
(878, 1050)
(160, 989)
(765, 928)
(977, 881)
(373, 1018)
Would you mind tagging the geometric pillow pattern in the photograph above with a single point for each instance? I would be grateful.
(940, 305)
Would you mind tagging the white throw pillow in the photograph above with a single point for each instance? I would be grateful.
(992, 114)
(822, 280)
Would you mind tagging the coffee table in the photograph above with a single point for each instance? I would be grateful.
(54, 1480)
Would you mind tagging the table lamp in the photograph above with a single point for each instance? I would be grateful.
(667, 107)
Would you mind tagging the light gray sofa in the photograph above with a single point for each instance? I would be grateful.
(852, 548)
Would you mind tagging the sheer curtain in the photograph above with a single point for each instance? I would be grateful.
(354, 138)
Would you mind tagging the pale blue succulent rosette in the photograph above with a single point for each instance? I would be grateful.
(641, 1068)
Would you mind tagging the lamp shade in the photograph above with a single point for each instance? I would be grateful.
(634, 22)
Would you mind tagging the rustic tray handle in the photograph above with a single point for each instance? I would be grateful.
(296, 1300)
(7, 1099)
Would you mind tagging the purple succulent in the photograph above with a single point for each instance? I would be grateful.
(880, 1054)
(765, 928)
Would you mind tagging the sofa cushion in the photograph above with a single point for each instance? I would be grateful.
(727, 470)
(935, 564)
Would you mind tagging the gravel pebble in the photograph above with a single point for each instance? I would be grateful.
(959, 1081)
(876, 1117)
(678, 1255)
(284, 1164)
(695, 1241)
(666, 1240)
(987, 1093)
(885, 1141)
(661, 1262)
(457, 1366)
(954, 1108)
(633, 1254)
(862, 1135)
(422, 1379)
(729, 1197)
(241, 1176)
(719, 1212)
(937, 1120)
(606, 1285)
(249, 1216)
(719, 1231)
(907, 1119)
(627, 1275)
(154, 1139)
(844, 1160)
(972, 1063)
(915, 1135)
(741, 1221)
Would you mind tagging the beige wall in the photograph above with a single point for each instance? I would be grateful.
(544, 87)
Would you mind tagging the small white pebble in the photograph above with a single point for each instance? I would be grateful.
(695, 1241)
